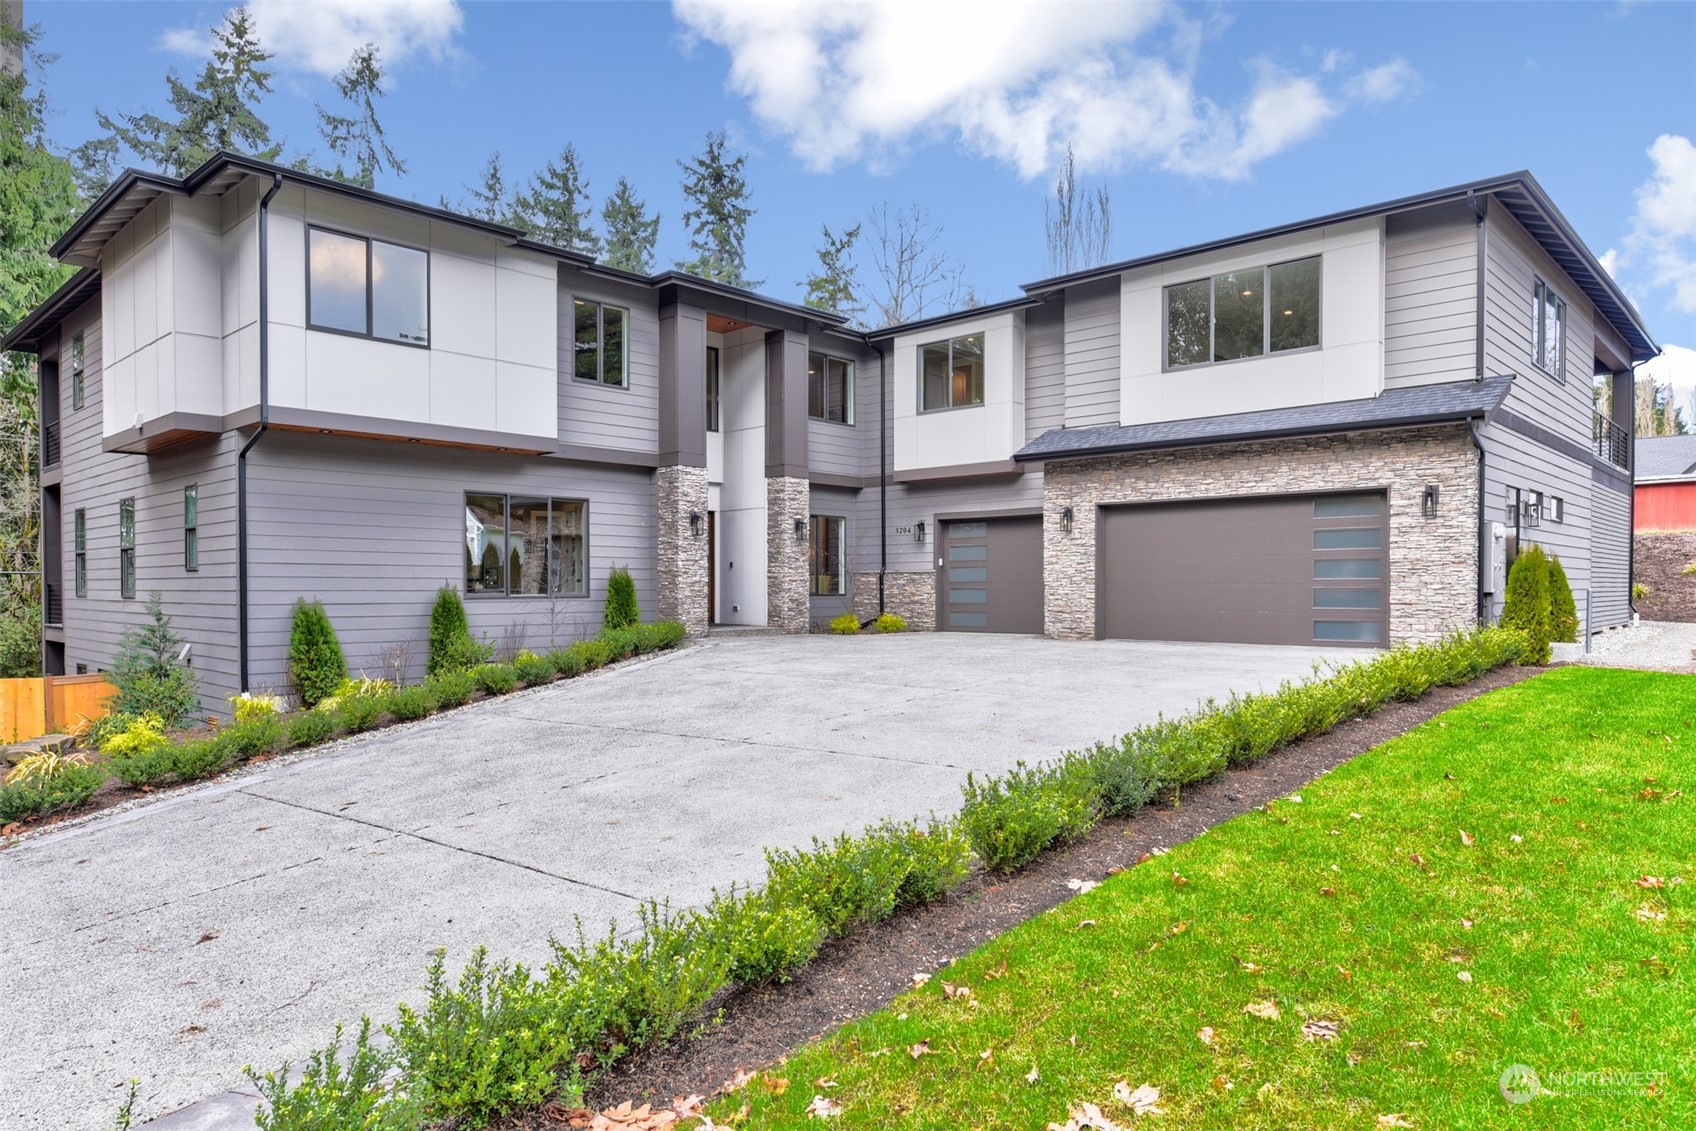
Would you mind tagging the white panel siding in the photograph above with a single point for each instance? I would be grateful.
(1430, 297)
(1045, 370)
(1091, 345)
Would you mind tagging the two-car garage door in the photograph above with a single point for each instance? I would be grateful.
(1286, 570)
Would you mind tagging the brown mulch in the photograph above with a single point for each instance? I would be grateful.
(859, 974)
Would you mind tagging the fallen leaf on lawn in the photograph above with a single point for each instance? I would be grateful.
(1178, 880)
(1344, 971)
(1085, 1116)
(1416, 1044)
(1557, 801)
(918, 1050)
(1466, 838)
(825, 1082)
(952, 990)
(1294, 797)
(1351, 1059)
(738, 1080)
(1417, 859)
(984, 1057)
(1336, 832)
(1248, 967)
(1266, 1009)
(1327, 891)
(1115, 870)
(1140, 1099)
(1220, 1084)
(1082, 923)
(1394, 1119)
(207, 937)
(823, 1107)
(1650, 882)
(776, 1085)
(1650, 915)
(1516, 838)
(1158, 850)
(1465, 976)
(1466, 924)
(1574, 1021)
(1179, 927)
(1354, 816)
(920, 979)
(1033, 1075)
(1317, 1029)
(1205, 1034)
(999, 972)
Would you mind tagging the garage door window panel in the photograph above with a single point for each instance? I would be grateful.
(1335, 569)
(1343, 598)
(1347, 631)
(1349, 538)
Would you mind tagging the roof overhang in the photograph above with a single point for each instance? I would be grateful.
(42, 322)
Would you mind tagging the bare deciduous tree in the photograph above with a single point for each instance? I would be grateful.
(1079, 234)
(915, 276)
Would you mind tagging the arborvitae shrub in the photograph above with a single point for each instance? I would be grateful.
(316, 665)
(1563, 610)
(450, 633)
(622, 611)
(1526, 605)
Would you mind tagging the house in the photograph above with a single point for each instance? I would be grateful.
(1664, 485)
(262, 385)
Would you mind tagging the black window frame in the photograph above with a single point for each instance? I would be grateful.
(815, 525)
(79, 364)
(191, 528)
(79, 551)
(1266, 350)
(818, 382)
(715, 387)
(983, 356)
(126, 548)
(368, 334)
(505, 592)
(1541, 293)
(600, 343)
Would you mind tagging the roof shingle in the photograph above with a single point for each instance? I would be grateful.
(1665, 457)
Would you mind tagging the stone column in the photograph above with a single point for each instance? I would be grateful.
(787, 499)
(682, 579)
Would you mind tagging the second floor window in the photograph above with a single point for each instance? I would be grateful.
(522, 547)
(951, 373)
(712, 389)
(1548, 329)
(830, 389)
(600, 334)
(827, 565)
(78, 396)
(367, 287)
(191, 526)
(126, 547)
(81, 552)
(1247, 313)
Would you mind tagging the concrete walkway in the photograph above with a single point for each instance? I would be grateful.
(236, 922)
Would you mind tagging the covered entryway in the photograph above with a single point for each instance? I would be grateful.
(1286, 570)
(991, 577)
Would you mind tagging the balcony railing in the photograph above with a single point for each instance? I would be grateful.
(1610, 441)
(50, 445)
(55, 611)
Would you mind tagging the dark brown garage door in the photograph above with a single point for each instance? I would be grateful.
(991, 575)
(1296, 570)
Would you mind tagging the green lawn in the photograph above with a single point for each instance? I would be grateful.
(1359, 905)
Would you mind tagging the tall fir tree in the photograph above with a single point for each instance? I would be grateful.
(555, 206)
(718, 220)
(359, 138)
(491, 197)
(835, 286)
(218, 112)
(630, 232)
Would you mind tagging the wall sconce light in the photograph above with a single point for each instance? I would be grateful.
(800, 529)
(696, 520)
(919, 530)
(1428, 501)
(1533, 509)
(1065, 520)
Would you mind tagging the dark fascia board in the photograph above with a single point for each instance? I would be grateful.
(884, 333)
(844, 482)
(1001, 468)
(1458, 416)
(28, 334)
(128, 180)
(685, 281)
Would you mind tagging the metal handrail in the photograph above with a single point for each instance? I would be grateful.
(1609, 441)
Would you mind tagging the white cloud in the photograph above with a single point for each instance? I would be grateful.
(1663, 228)
(1385, 82)
(1016, 81)
(321, 36)
(1676, 366)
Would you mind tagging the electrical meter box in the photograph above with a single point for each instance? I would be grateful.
(1493, 557)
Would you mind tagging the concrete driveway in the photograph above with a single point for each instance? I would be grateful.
(235, 923)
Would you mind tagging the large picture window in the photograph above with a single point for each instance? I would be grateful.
(1548, 329)
(830, 389)
(951, 373)
(827, 561)
(368, 288)
(126, 547)
(600, 337)
(1246, 313)
(516, 546)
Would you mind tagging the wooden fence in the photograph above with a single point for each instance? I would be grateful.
(52, 705)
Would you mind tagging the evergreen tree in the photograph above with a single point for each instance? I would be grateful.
(359, 137)
(218, 112)
(718, 222)
(1526, 605)
(451, 645)
(491, 198)
(1563, 610)
(316, 664)
(621, 607)
(555, 207)
(836, 284)
(631, 232)
(149, 677)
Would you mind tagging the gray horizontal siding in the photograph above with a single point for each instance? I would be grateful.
(1045, 370)
(1092, 354)
(373, 529)
(1513, 460)
(1610, 557)
(843, 449)
(606, 416)
(912, 503)
(861, 538)
(1430, 297)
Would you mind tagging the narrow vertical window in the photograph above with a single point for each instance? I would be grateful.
(600, 338)
(826, 561)
(1548, 329)
(81, 545)
(712, 389)
(191, 526)
(126, 547)
(78, 396)
(830, 389)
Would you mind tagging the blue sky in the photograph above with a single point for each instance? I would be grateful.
(1201, 121)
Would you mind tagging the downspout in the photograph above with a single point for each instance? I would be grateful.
(882, 470)
(264, 426)
(1478, 442)
(1480, 206)
(1631, 508)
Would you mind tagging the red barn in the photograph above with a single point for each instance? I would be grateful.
(1665, 484)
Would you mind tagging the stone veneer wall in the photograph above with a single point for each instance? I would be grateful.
(910, 596)
(682, 574)
(787, 609)
(1433, 582)
(1660, 563)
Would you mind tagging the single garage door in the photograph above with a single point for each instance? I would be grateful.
(1287, 570)
(991, 575)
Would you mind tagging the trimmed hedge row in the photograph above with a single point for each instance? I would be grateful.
(505, 1038)
(141, 753)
